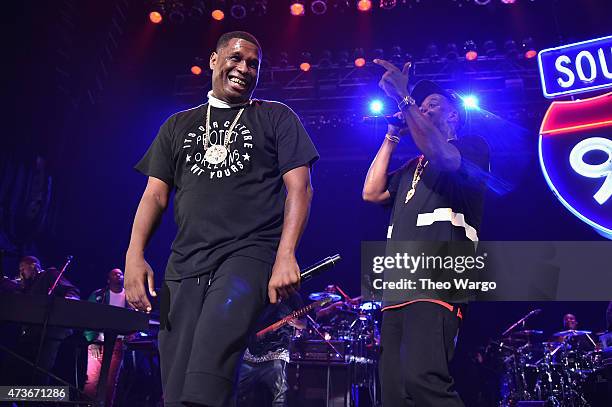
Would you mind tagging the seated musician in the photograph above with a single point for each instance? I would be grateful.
(112, 294)
(36, 281)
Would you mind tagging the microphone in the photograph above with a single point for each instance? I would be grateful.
(317, 268)
(389, 119)
(535, 311)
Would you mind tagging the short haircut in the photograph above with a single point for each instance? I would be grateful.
(225, 38)
(30, 260)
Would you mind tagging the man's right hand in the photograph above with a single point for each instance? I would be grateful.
(138, 274)
(398, 131)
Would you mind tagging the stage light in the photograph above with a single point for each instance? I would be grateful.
(283, 59)
(197, 10)
(451, 51)
(396, 55)
(529, 50)
(359, 57)
(318, 7)
(508, 1)
(306, 59)
(511, 50)
(364, 5)
(155, 17)
(238, 9)
(343, 58)
(388, 4)
(196, 66)
(325, 60)
(378, 53)
(432, 53)
(490, 48)
(217, 14)
(176, 12)
(470, 102)
(470, 50)
(297, 8)
(482, 2)
(260, 7)
(376, 106)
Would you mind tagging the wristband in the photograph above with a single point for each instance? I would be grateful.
(406, 101)
(392, 138)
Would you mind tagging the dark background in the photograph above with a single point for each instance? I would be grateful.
(87, 85)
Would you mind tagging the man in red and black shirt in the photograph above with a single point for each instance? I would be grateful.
(436, 197)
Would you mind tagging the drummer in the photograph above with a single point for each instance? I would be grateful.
(570, 322)
(572, 337)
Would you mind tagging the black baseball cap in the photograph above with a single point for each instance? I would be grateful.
(425, 88)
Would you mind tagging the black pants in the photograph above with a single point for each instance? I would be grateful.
(417, 342)
(257, 379)
(204, 330)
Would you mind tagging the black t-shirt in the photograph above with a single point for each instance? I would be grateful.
(447, 205)
(235, 207)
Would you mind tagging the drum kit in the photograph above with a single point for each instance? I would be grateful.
(345, 334)
(555, 371)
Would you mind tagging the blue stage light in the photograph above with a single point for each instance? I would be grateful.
(376, 106)
(470, 102)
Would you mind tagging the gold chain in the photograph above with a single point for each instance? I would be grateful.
(416, 177)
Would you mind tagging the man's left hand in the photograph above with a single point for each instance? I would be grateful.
(285, 278)
(394, 82)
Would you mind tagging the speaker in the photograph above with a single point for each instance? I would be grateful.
(316, 385)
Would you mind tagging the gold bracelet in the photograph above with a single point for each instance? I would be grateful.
(406, 101)
(392, 138)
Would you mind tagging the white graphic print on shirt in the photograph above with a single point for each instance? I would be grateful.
(239, 148)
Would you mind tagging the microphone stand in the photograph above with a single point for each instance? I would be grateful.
(59, 276)
(48, 310)
(520, 321)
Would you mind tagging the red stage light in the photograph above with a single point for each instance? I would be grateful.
(297, 9)
(155, 17)
(471, 55)
(218, 15)
(305, 66)
(360, 62)
(196, 70)
(508, 1)
(531, 53)
(364, 5)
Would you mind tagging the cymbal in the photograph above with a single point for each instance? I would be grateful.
(571, 332)
(527, 333)
(324, 295)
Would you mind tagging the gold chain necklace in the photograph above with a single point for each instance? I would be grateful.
(416, 178)
(217, 153)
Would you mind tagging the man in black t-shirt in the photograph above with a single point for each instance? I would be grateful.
(437, 196)
(240, 169)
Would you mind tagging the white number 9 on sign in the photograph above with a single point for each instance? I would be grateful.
(604, 169)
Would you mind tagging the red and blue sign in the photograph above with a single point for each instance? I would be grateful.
(575, 145)
(576, 68)
(576, 158)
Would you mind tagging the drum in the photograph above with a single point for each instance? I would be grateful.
(552, 381)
